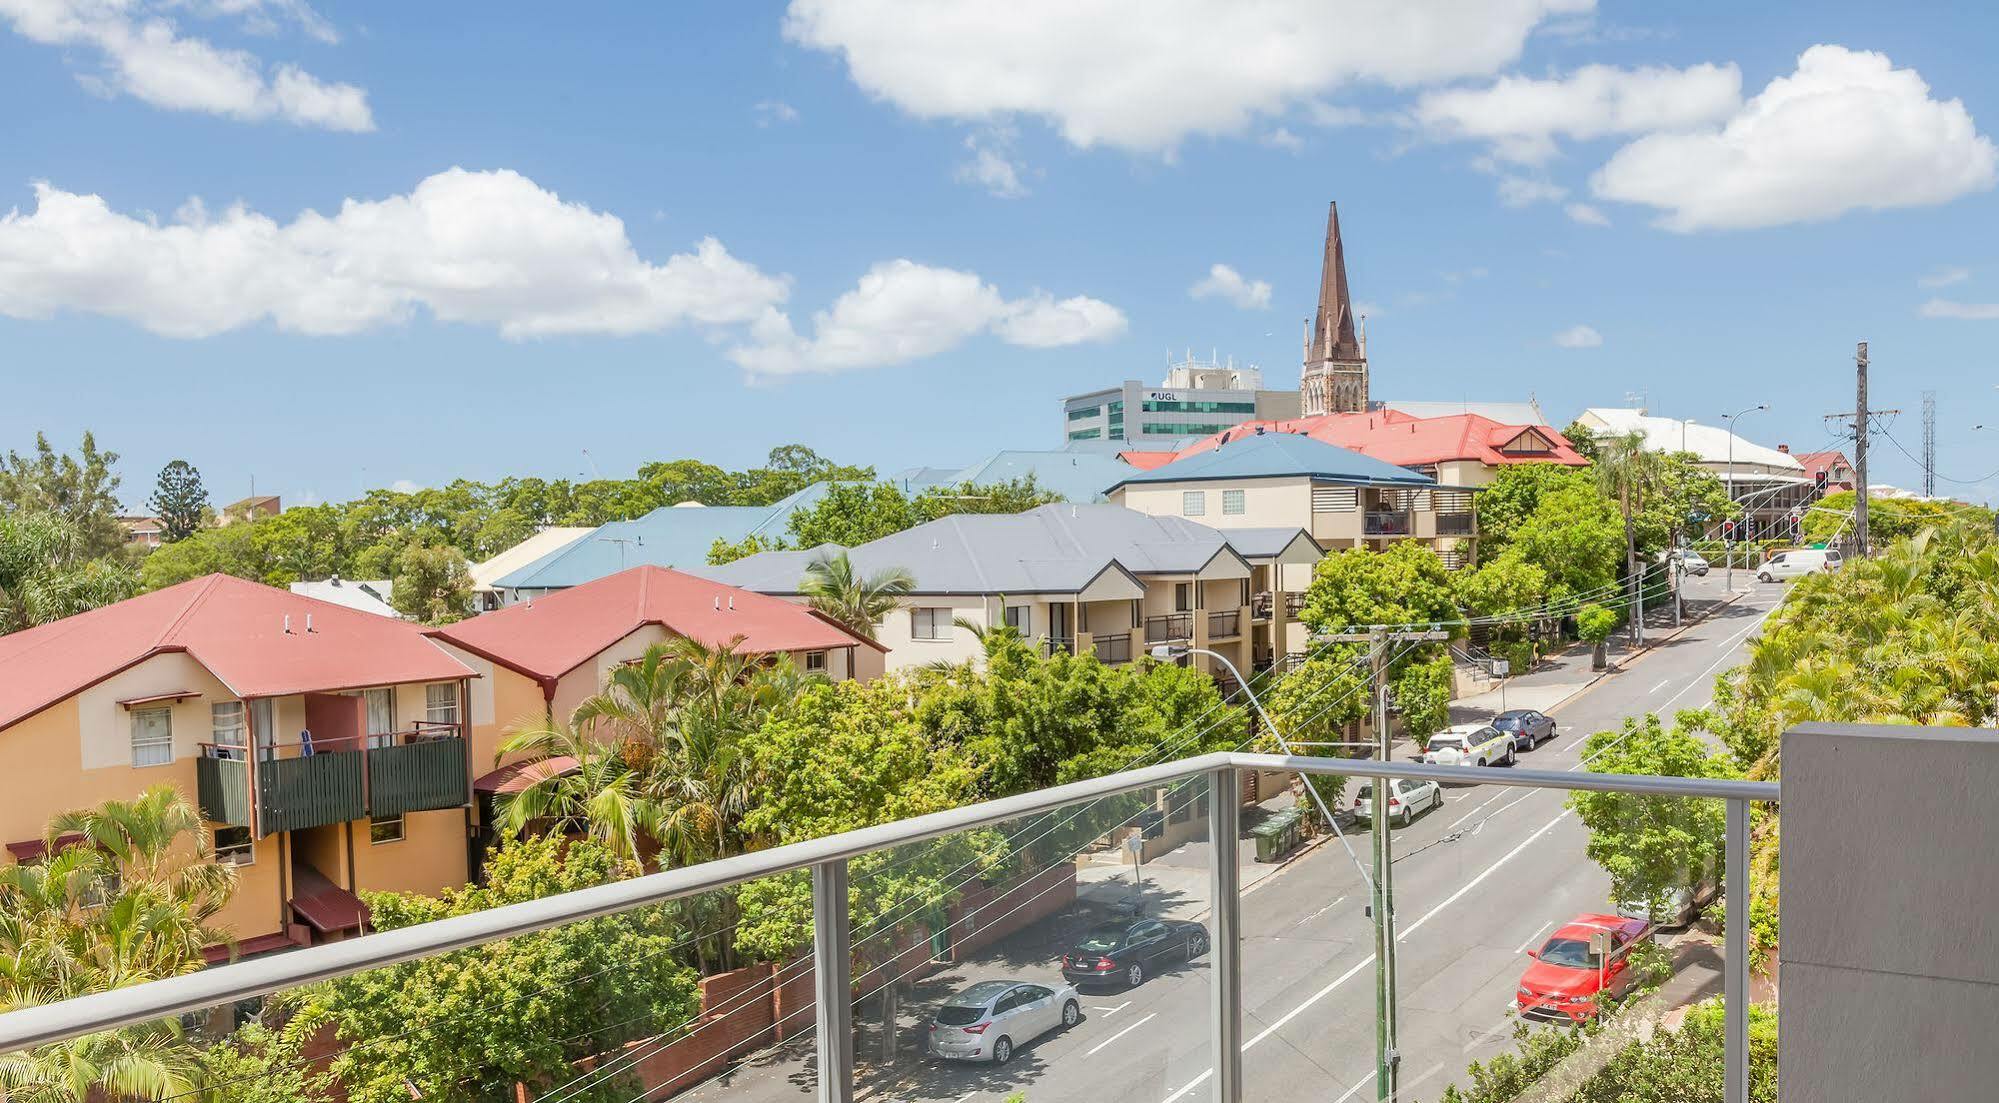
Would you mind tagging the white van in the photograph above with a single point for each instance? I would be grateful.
(1798, 562)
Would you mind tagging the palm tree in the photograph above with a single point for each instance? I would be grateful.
(1626, 469)
(137, 1063)
(159, 839)
(602, 795)
(831, 586)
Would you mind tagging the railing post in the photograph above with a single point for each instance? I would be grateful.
(832, 981)
(1225, 940)
(1735, 954)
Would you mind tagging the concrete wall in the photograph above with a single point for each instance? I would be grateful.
(1890, 953)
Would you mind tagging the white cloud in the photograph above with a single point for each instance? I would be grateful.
(770, 112)
(1522, 191)
(1224, 282)
(992, 165)
(1944, 277)
(405, 486)
(1579, 337)
(480, 248)
(1283, 139)
(1845, 131)
(1586, 214)
(1142, 75)
(1520, 118)
(902, 311)
(145, 56)
(1950, 308)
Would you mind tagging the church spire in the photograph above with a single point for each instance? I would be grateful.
(1335, 374)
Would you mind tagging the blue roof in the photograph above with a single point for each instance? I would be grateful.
(671, 536)
(1076, 476)
(1276, 455)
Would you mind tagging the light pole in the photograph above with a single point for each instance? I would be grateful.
(1731, 419)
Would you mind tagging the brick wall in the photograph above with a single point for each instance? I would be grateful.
(736, 1011)
(987, 913)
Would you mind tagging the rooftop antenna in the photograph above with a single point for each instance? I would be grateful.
(1929, 444)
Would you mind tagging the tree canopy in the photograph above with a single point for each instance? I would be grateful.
(179, 501)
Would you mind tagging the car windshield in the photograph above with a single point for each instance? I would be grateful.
(1365, 792)
(1447, 743)
(953, 1015)
(1099, 940)
(1571, 952)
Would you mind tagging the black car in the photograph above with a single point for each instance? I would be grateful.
(1528, 728)
(1129, 951)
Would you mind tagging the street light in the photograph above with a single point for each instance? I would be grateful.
(1731, 419)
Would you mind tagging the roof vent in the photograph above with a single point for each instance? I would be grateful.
(732, 603)
(308, 622)
(288, 624)
(718, 603)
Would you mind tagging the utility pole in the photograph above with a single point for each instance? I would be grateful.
(1387, 1061)
(1860, 417)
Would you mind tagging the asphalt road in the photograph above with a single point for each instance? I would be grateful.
(1477, 882)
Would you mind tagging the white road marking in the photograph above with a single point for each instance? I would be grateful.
(967, 1095)
(1317, 914)
(1092, 1051)
(1113, 1010)
(1525, 946)
(1660, 686)
(1726, 652)
(1351, 1092)
(1433, 1070)
(1285, 1019)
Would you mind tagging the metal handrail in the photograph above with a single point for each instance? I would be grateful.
(246, 979)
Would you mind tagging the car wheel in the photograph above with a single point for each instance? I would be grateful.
(1197, 944)
(1071, 1014)
(1134, 976)
(1764, 578)
(1407, 817)
(1002, 1050)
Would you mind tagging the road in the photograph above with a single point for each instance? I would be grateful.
(1478, 881)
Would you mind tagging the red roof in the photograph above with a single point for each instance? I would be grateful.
(552, 635)
(1395, 437)
(325, 906)
(1146, 461)
(254, 638)
(516, 777)
(1815, 462)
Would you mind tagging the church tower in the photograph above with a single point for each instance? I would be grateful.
(1334, 380)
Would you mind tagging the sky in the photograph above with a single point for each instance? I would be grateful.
(340, 246)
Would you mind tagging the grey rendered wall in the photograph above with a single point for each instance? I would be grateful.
(1890, 948)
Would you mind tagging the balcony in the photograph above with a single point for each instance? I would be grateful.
(1454, 524)
(1113, 649)
(1065, 645)
(1196, 1013)
(1224, 624)
(1260, 604)
(417, 770)
(1171, 626)
(1293, 602)
(1379, 523)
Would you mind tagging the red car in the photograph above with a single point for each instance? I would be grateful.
(1569, 976)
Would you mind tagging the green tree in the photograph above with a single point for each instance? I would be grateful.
(259, 1065)
(1651, 845)
(851, 514)
(1584, 440)
(1011, 496)
(179, 501)
(433, 584)
(603, 793)
(44, 577)
(1627, 470)
(1594, 624)
(1358, 587)
(468, 1025)
(1423, 694)
(859, 602)
(81, 489)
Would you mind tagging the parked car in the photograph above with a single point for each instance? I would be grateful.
(1691, 561)
(1129, 952)
(1797, 563)
(987, 1021)
(1528, 727)
(1571, 980)
(1406, 799)
(1681, 906)
(1469, 745)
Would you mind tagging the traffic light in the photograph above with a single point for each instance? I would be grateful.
(1823, 479)
(1728, 528)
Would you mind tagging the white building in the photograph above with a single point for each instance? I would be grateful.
(1198, 397)
(1772, 487)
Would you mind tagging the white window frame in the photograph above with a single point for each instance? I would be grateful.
(236, 854)
(815, 662)
(1026, 618)
(446, 712)
(1193, 503)
(402, 829)
(386, 737)
(1235, 503)
(930, 623)
(141, 749)
(227, 736)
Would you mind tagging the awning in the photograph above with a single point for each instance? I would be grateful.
(156, 698)
(517, 776)
(30, 849)
(247, 948)
(325, 906)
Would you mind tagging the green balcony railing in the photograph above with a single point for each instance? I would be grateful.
(317, 789)
(222, 788)
(418, 776)
(417, 771)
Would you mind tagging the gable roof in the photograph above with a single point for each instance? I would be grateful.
(554, 634)
(1053, 549)
(236, 629)
(1503, 413)
(1076, 475)
(1815, 462)
(545, 542)
(1253, 455)
(1398, 438)
(670, 536)
(367, 596)
(1708, 443)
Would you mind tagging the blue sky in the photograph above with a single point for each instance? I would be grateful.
(925, 229)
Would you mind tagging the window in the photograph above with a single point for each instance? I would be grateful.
(1020, 618)
(385, 829)
(1195, 406)
(930, 624)
(440, 703)
(226, 722)
(815, 662)
(381, 717)
(1081, 412)
(1233, 503)
(152, 736)
(1335, 499)
(1189, 429)
(233, 846)
(264, 726)
(1086, 434)
(1183, 596)
(1193, 503)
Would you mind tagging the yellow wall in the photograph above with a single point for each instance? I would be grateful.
(430, 857)
(256, 908)
(324, 848)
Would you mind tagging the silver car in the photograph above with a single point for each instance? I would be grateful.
(988, 1020)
